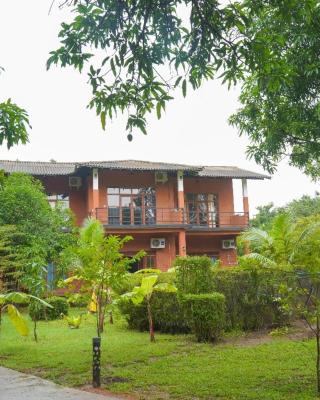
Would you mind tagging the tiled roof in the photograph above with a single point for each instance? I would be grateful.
(38, 167)
(230, 172)
(140, 165)
(62, 168)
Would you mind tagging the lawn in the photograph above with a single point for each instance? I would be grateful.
(175, 367)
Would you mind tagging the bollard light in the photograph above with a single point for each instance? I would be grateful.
(96, 342)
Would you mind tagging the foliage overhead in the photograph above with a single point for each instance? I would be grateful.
(14, 122)
(138, 52)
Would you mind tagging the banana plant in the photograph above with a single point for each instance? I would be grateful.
(144, 292)
(7, 302)
(73, 321)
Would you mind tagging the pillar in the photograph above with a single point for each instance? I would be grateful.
(182, 244)
(180, 195)
(95, 191)
(245, 197)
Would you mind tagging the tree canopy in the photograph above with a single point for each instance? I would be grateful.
(36, 233)
(138, 52)
(306, 206)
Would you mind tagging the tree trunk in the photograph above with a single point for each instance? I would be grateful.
(151, 327)
(111, 317)
(35, 330)
(101, 319)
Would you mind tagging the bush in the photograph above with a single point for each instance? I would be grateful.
(168, 314)
(78, 300)
(59, 306)
(207, 315)
(252, 297)
(135, 279)
(194, 275)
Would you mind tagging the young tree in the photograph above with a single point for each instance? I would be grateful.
(100, 264)
(144, 292)
(8, 302)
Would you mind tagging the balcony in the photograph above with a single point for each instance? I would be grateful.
(135, 217)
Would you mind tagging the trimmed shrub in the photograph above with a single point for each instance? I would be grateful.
(207, 315)
(168, 314)
(252, 297)
(194, 275)
(59, 306)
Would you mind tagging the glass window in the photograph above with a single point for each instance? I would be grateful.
(136, 205)
(202, 209)
(59, 198)
(113, 190)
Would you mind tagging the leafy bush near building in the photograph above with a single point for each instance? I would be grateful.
(206, 315)
(253, 297)
(194, 274)
(59, 306)
(168, 315)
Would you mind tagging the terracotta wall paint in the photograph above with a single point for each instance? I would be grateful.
(211, 245)
(164, 257)
(77, 197)
(222, 187)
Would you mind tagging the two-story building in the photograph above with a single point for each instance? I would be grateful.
(168, 209)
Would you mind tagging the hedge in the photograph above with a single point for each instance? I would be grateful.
(206, 314)
(168, 315)
(194, 275)
(252, 297)
(59, 306)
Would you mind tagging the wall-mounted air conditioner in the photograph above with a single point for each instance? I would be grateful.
(158, 243)
(228, 244)
(75, 181)
(161, 177)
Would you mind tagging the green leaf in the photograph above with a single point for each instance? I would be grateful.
(184, 88)
(16, 297)
(165, 287)
(159, 110)
(103, 119)
(148, 283)
(17, 320)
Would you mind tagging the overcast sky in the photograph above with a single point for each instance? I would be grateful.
(193, 130)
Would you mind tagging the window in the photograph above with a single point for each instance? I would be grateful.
(61, 199)
(202, 209)
(131, 206)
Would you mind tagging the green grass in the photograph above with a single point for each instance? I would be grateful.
(174, 367)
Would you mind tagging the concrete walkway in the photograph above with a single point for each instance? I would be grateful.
(18, 386)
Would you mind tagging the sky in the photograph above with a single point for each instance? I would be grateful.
(194, 130)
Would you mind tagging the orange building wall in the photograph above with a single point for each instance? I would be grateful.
(222, 187)
(81, 203)
(77, 197)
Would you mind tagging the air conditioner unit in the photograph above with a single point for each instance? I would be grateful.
(161, 177)
(75, 181)
(229, 244)
(157, 243)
